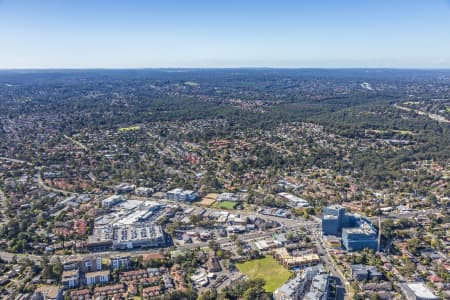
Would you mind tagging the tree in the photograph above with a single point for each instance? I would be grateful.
(57, 268)
(413, 245)
(375, 296)
(214, 245)
(208, 295)
(181, 295)
(248, 290)
(290, 236)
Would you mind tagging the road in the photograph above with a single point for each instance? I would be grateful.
(284, 221)
(435, 117)
(2, 207)
(330, 263)
(405, 215)
(40, 180)
(15, 160)
(49, 188)
(79, 144)
(7, 256)
(287, 224)
(243, 237)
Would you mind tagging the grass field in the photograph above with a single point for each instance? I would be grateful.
(227, 205)
(405, 132)
(268, 269)
(191, 83)
(131, 128)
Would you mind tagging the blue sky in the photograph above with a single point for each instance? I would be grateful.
(232, 33)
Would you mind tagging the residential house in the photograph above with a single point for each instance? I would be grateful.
(150, 292)
(109, 290)
(83, 294)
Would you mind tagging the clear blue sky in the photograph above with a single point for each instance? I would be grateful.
(219, 33)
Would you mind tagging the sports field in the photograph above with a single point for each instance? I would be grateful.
(227, 205)
(131, 128)
(266, 268)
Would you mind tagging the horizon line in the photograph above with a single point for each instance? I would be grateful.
(227, 67)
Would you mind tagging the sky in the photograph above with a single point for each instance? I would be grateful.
(219, 33)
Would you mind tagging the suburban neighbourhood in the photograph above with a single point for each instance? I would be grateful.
(232, 193)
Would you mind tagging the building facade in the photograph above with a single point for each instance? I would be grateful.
(364, 273)
(333, 219)
(360, 237)
(357, 233)
(418, 291)
(179, 194)
(100, 277)
(312, 283)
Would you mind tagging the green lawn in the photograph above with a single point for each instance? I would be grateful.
(227, 205)
(191, 83)
(131, 128)
(268, 269)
